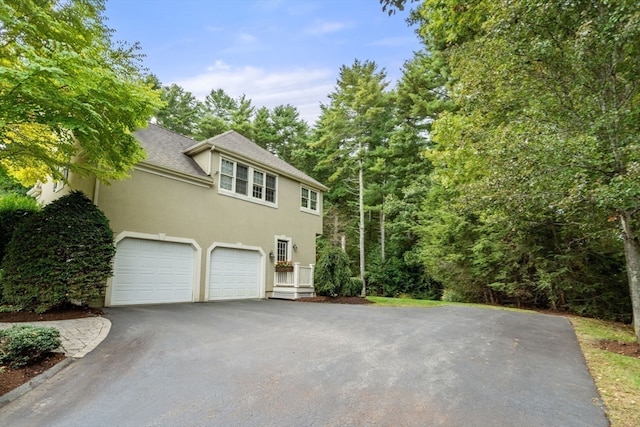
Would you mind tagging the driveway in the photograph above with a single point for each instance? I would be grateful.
(283, 363)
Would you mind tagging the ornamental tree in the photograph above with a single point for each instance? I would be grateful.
(67, 90)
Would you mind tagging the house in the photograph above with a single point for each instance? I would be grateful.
(205, 221)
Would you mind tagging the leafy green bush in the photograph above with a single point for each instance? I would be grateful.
(25, 344)
(14, 209)
(60, 255)
(332, 274)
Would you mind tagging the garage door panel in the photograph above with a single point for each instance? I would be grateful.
(235, 274)
(150, 272)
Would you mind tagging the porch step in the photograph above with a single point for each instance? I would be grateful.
(292, 293)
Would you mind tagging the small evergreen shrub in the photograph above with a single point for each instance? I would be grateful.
(332, 274)
(25, 344)
(355, 287)
(60, 255)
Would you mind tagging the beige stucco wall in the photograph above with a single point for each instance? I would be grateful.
(74, 182)
(162, 205)
(158, 205)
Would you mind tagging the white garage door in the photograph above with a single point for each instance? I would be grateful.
(151, 272)
(235, 274)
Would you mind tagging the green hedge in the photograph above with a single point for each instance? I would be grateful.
(60, 255)
(25, 344)
(14, 209)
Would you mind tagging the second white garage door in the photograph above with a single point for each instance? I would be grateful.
(152, 272)
(234, 274)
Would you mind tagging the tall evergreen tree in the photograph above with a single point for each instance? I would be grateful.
(351, 127)
(181, 113)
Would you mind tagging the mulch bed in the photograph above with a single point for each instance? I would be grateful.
(631, 349)
(73, 312)
(14, 378)
(336, 300)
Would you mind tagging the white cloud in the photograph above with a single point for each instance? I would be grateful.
(304, 88)
(219, 65)
(245, 38)
(326, 27)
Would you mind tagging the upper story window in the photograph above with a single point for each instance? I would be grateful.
(245, 181)
(308, 200)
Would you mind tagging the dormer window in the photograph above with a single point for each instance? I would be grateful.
(247, 182)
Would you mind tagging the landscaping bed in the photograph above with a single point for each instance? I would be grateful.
(337, 300)
(14, 378)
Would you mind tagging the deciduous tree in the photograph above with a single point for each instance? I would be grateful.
(66, 89)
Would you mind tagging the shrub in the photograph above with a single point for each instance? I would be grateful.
(355, 287)
(332, 274)
(60, 255)
(14, 209)
(25, 344)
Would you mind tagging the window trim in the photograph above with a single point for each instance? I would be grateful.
(309, 199)
(249, 183)
(289, 241)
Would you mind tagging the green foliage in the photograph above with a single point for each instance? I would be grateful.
(60, 255)
(181, 111)
(281, 132)
(399, 275)
(22, 345)
(9, 185)
(67, 91)
(14, 209)
(537, 159)
(332, 273)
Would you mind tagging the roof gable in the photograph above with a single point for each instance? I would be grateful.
(233, 143)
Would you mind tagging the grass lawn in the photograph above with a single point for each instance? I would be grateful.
(617, 377)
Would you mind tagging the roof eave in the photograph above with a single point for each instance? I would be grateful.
(174, 173)
(198, 148)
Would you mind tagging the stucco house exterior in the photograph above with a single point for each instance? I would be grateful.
(205, 221)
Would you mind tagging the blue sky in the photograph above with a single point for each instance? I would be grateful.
(273, 51)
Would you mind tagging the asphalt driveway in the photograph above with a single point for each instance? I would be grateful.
(282, 363)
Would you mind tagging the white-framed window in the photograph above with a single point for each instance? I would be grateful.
(226, 174)
(246, 182)
(59, 185)
(309, 200)
(270, 189)
(282, 250)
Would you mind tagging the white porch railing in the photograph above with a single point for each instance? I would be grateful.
(294, 284)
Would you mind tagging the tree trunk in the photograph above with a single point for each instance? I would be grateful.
(382, 233)
(361, 225)
(632, 258)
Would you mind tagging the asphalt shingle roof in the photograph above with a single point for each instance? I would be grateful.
(167, 148)
(164, 148)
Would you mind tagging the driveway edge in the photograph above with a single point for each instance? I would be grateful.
(36, 381)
